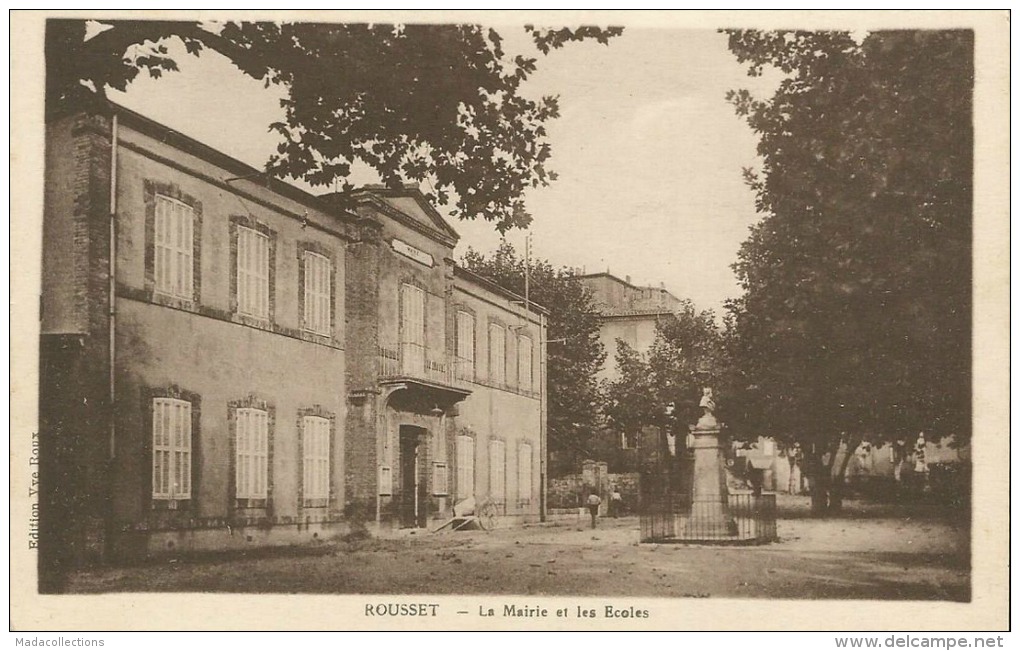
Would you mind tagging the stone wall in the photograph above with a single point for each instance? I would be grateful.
(571, 491)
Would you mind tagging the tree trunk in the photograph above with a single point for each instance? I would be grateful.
(817, 472)
(839, 479)
(819, 495)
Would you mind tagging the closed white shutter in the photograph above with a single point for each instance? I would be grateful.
(174, 248)
(316, 444)
(318, 271)
(465, 346)
(524, 464)
(524, 370)
(171, 449)
(385, 480)
(412, 330)
(252, 273)
(497, 354)
(465, 467)
(252, 454)
(497, 470)
(440, 478)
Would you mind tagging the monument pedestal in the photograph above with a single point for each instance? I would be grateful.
(709, 516)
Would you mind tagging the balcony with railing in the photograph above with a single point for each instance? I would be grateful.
(412, 362)
(416, 362)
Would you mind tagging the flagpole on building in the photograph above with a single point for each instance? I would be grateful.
(527, 273)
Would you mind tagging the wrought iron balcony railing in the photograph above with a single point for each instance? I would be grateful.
(411, 360)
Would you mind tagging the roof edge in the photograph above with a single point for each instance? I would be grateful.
(209, 154)
(497, 289)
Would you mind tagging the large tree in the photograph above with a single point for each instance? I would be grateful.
(663, 387)
(574, 352)
(855, 316)
(442, 103)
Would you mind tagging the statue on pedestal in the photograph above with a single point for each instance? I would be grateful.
(707, 420)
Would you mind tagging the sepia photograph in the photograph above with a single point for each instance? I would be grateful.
(512, 320)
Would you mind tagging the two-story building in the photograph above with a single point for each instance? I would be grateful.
(228, 360)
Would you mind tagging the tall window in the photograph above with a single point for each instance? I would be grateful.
(524, 358)
(465, 467)
(174, 250)
(497, 470)
(315, 457)
(318, 281)
(171, 449)
(252, 273)
(497, 354)
(524, 463)
(412, 329)
(465, 346)
(252, 467)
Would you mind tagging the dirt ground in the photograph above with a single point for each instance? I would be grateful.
(870, 552)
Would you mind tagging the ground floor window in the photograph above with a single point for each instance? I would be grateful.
(524, 466)
(465, 467)
(252, 462)
(171, 449)
(315, 444)
(497, 471)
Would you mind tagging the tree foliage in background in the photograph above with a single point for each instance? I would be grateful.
(574, 351)
(687, 355)
(442, 103)
(855, 317)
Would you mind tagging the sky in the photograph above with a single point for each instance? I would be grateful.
(649, 153)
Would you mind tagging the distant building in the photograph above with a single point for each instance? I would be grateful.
(629, 313)
(229, 361)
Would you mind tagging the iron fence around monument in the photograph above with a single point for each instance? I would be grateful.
(745, 518)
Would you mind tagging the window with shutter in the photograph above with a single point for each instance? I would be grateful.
(524, 466)
(497, 471)
(171, 449)
(465, 467)
(497, 354)
(252, 273)
(318, 282)
(524, 359)
(174, 248)
(412, 330)
(252, 467)
(465, 346)
(440, 478)
(315, 457)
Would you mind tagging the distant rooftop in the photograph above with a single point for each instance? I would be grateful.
(615, 296)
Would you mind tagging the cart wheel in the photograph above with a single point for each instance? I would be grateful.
(488, 516)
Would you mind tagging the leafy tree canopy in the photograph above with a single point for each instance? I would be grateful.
(414, 102)
(855, 316)
(574, 352)
(687, 355)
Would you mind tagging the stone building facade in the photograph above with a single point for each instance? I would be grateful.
(628, 312)
(228, 360)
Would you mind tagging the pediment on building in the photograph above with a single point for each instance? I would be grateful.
(409, 206)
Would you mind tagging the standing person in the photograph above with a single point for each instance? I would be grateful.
(920, 461)
(795, 457)
(594, 501)
(615, 502)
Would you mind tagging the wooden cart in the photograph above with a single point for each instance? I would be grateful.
(468, 515)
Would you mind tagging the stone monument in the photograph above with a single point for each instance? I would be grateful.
(709, 516)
